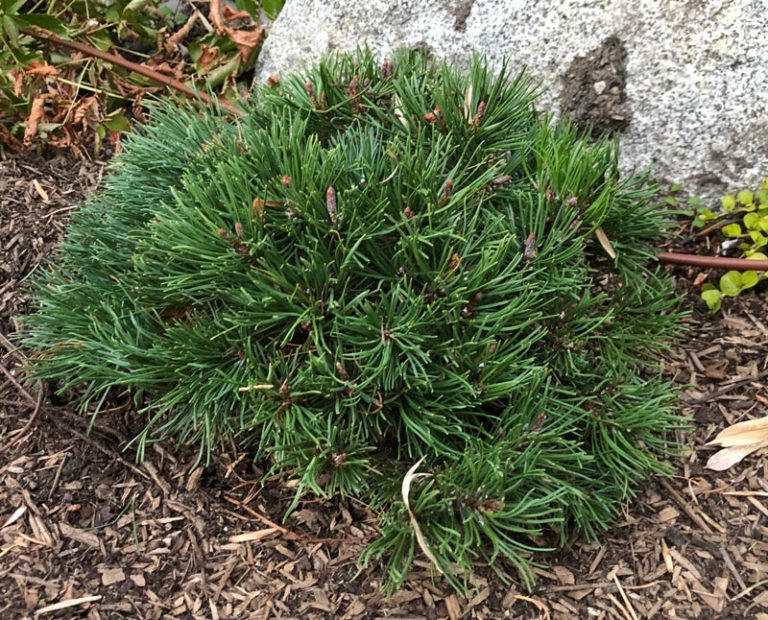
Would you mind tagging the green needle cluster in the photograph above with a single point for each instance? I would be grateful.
(378, 264)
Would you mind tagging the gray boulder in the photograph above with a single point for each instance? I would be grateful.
(685, 84)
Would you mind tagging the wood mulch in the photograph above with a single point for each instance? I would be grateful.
(85, 532)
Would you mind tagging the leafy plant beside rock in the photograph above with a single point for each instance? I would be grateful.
(743, 223)
(393, 282)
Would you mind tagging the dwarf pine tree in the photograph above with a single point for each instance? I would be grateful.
(382, 265)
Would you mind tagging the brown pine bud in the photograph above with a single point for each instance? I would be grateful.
(330, 203)
(352, 87)
(448, 190)
(478, 117)
(529, 252)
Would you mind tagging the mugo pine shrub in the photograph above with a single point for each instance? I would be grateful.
(379, 266)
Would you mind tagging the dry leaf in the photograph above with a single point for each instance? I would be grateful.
(177, 37)
(214, 13)
(231, 15)
(246, 40)
(40, 191)
(72, 602)
(727, 457)
(18, 81)
(87, 108)
(17, 514)
(605, 242)
(36, 115)
(208, 55)
(40, 68)
(406, 491)
(742, 434)
(252, 536)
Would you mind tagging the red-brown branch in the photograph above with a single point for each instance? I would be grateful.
(156, 76)
(712, 262)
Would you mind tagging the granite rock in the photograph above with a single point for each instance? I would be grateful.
(683, 82)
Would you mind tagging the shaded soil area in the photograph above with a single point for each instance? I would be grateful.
(594, 94)
(85, 532)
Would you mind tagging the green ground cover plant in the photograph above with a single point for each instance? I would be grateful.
(743, 221)
(393, 281)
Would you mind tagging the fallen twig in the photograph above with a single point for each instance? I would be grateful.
(712, 262)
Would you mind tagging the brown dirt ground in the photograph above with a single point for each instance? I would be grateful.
(87, 533)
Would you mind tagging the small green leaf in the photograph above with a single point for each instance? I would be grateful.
(41, 20)
(762, 197)
(117, 121)
(713, 298)
(11, 28)
(762, 223)
(751, 220)
(272, 7)
(11, 7)
(249, 5)
(133, 6)
(676, 187)
(758, 239)
(729, 203)
(744, 197)
(757, 256)
(730, 283)
(749, 279)
(695, 201)
(732, 230)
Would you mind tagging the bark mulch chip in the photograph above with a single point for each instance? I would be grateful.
(86, 532)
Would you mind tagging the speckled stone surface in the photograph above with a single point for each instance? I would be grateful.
(696, 70)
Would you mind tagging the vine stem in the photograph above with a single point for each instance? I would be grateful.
(712, 262)
(156, 76)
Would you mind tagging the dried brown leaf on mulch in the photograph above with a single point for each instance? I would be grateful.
(86, 532)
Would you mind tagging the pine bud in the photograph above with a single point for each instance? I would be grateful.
(447, 192)
(529, 252)
(286, 180)
(352, 88)
(478, 117)
(341, 371)
(387, 69)
(408, 212)
(330, 203)
(238, 229)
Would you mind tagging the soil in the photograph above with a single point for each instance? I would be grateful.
(86, 532)
(594, 94)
